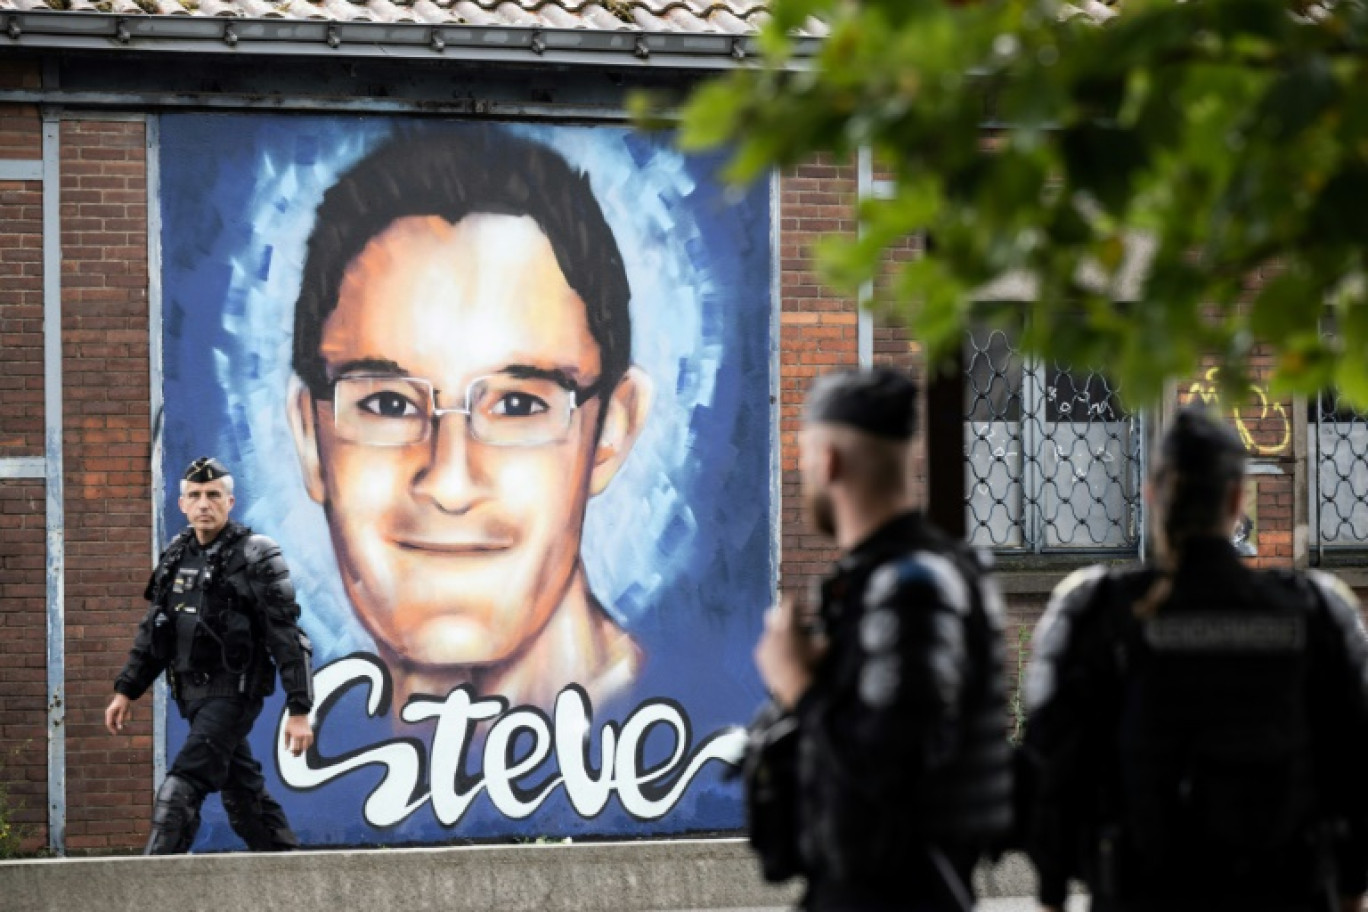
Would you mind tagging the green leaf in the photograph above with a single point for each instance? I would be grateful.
(1340, 213)
(1289, 304)
(1227, 130)
(1296, 99)
(712, 114)
(1351, 373)
(1103, 160)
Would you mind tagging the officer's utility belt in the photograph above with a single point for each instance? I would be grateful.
(199, 685)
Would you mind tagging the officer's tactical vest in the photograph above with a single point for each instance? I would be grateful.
(222, 655)
(1216, 779)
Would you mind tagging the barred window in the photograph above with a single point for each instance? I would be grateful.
(1054, 460)
(1340, 495)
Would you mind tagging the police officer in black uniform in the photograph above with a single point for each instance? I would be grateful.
(899, 774)
(1197, 729)
(222, 622)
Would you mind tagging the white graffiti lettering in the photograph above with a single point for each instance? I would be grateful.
(519, 741)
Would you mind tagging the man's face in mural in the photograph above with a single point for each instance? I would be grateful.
(458, 534)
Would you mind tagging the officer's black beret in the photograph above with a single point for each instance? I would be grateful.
(1199, 444)
(879, 401)
(206, 468)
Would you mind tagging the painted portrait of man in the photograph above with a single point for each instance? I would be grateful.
(503, 392)
(462, 345)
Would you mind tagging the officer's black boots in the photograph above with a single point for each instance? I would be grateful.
(175, 818)
(259, 820)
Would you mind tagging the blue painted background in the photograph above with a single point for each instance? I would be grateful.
(680, 548)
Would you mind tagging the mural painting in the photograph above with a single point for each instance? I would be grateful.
(502, 394)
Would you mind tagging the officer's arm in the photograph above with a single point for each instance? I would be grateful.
(1344, 714)
(142, 666)
(269, 577)
(1056, 694)
(902, 717)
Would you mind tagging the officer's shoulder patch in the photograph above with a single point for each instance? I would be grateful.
(1340, 601)
(921, 569)
(1073, 594)
(1333, 588)
(1343, 608)
(259, 547)
(1076, 589)
(879, 630)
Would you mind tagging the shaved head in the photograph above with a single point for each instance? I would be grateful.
(868, 466)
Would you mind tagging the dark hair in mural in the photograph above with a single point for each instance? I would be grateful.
(485, 170)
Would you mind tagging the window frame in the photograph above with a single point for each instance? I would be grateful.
(1033, 479)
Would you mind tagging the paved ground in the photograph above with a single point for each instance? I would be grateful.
(1076, 904)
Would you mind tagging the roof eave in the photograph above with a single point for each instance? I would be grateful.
(54, 30)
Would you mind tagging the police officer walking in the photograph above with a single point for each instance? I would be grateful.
(1198, 730)
(223, 619)
(882, 769)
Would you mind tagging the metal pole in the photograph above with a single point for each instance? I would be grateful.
(56, 535)
(154, 360)
(945, 456)
(864, 326)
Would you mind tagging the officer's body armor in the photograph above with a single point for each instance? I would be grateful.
(916, 653)
(1216, 773)
(222, 620)
(1204, 768)
(214, 637)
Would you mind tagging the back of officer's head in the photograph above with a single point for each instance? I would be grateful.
(1200, 465)
(869, 417)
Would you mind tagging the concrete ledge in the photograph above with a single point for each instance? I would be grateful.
(611, 877)
(685, 874)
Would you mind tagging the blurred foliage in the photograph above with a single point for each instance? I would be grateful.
(1204, 162)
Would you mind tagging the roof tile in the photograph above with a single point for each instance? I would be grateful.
(677, 17)
(737, 17)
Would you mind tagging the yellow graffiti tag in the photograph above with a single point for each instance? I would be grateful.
(1206, 391)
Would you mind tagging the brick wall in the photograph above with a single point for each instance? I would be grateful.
(893, 345)
(23, 673)
(817, 332)
(23, 602)
(106, 449)
(106, 443)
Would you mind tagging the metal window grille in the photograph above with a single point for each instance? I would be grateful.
(1054, 462)
(1341, 477)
